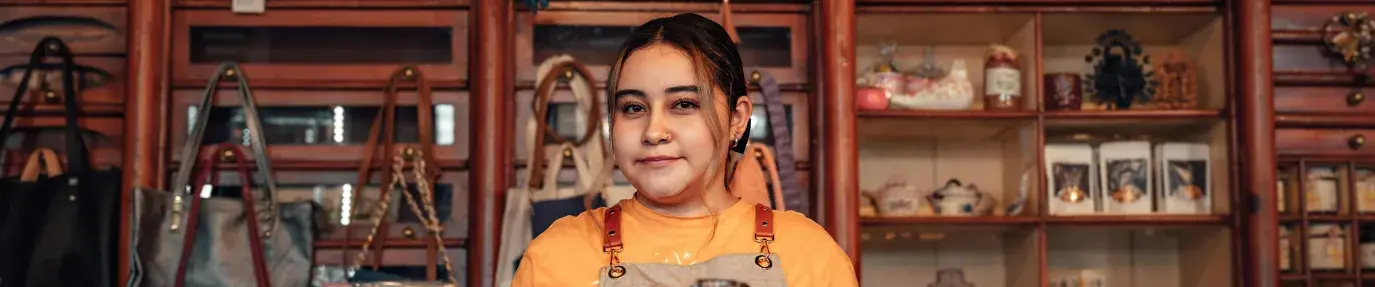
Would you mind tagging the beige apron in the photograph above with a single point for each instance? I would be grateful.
(730, 270)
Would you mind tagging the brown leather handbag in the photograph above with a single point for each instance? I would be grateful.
(426, 171)
(756, 177)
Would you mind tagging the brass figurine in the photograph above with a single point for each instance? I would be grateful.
(1177, 86)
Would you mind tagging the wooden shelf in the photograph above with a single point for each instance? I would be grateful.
(1323, 121)
(947, 220)
(1135, 114)
(1215, 219)
(963, 115)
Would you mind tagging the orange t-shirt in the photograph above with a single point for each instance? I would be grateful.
(569, 253)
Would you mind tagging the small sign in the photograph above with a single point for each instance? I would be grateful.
(250, 6)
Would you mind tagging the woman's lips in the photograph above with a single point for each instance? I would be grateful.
(657, 161)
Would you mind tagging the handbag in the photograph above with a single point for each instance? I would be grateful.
(794, 197)
(382, 135)
(536, 201)
(60, 224)
(424, 210)
(183, 240)
(756, 177)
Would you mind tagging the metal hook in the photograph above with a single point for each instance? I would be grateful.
(408, 73)
(567, 75)
(227, 155)
(755, 77)
(409, 154)
(230, 73)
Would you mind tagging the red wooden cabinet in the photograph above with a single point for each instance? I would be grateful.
(321, 48)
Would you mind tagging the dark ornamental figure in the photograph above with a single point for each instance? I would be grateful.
(1120, 76)
(1347, 37)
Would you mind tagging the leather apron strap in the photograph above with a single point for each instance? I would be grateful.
(613, 245)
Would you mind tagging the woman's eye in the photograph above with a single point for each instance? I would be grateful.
(632, 109)
(684, 105)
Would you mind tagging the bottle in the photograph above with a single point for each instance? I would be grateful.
(1002, 80)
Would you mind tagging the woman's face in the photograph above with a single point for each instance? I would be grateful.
(661, 137)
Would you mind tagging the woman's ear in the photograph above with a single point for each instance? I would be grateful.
(740, 116)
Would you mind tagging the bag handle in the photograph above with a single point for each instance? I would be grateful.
(191, 149)
(424, 210)
(382, 135)
(578, 76)
(784, 154)
(52, 47)
(255, 241)
(764, 155)
(52, 165)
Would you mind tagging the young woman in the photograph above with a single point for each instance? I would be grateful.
(678, 106)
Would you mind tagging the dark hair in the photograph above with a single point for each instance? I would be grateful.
(706, 43)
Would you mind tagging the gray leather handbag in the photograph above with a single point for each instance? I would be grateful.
(185, 240)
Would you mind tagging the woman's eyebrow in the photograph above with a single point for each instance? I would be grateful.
(681, 89)
(627, 93)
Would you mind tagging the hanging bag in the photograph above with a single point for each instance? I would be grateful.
(794, 197)
(421, 204)
(536, 201)
(756, 177)
(61, 224)
(184, 245)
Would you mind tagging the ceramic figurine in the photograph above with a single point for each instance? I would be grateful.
(898, 198)
(1063, 92)
(1177, 84)
(956, 198)
(1119, 78)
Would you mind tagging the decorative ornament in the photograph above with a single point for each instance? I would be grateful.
(928, 69)
(1348, 36)
(1119, 79)
(1072, 192)
(1176, 82)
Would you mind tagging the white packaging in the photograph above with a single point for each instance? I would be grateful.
(1070, 173)
(1320, 190)
(1185, 178)
(1326, 247)
(1286, 261)
(1124, 172)
(1365, 191)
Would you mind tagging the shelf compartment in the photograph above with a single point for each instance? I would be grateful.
(775, 43)
(993, 155)
(1192, 257)
(1069, 37)
(895, 257)
(1335, 142)
(102, 136)
(1323, 100)
(302, 129)
(309, 48)
(85, 30)
(330, 189)
(98, 80)
(1201, 128)
(915, 34)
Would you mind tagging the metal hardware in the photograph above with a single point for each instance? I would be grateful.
(409, 154)
(616, 271)
(1354, 99)
(408, 232)
(50, 96)
(408, 73)
(755, 77)
(229, 73)
(227, 155)
(763, 261)
(567, 75)
(1356, 142)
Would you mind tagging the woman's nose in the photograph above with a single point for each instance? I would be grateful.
(657, 132)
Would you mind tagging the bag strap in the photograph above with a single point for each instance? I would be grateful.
(255, 241)
(764, 156)
(191, 149)
(77, 160)
(52, 165)
(578, 77)
(382, 135)
(794, 198)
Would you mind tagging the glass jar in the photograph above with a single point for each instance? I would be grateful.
(1002, 80)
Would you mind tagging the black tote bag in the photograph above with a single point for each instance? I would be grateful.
(61, 230)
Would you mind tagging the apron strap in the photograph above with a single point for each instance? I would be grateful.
(763, 224)
(612, 227)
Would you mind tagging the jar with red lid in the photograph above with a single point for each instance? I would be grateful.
(1002, 80)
